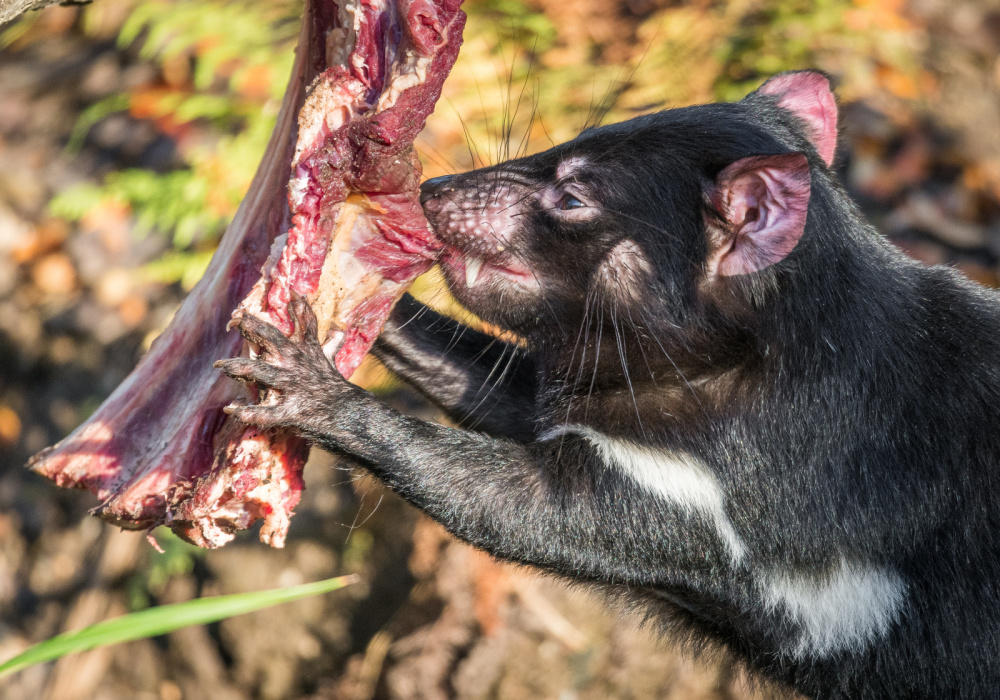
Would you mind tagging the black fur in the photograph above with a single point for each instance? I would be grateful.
(845, 400)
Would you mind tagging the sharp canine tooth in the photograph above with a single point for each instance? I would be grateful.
(472, 268)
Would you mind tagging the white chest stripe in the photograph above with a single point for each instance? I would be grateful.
(678, 478)
(848, 608)
(851, 607)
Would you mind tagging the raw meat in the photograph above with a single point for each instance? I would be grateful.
(349, 236)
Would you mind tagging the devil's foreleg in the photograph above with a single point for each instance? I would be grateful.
(482, 382)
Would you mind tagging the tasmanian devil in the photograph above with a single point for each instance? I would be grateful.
(735, 404)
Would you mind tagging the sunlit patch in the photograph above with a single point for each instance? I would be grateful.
(99, 430)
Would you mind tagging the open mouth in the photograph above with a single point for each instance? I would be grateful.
(473, 270)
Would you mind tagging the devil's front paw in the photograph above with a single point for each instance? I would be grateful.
(299, 384)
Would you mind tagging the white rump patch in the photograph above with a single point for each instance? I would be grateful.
(845, 610)
(678, 478)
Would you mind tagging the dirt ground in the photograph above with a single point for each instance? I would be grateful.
(431, 618)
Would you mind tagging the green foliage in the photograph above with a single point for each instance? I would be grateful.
(220, 33)
(359, 547)
(522, 82)
(683, 54)
(182, 266)
(844, 36)
(174, 202)
(164, 619)
(177, 559)
(241, 53)
(15, 31)
(528, 28)
(91, 116)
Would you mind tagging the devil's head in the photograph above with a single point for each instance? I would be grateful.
(659, 218)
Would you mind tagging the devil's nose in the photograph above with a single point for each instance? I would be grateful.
(431, 190)
(436, 183)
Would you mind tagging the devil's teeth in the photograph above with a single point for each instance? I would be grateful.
(472, 268)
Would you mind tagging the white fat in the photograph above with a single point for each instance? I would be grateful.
(341, 40)
(675, 477)
(352, 15)
(273, 255)
(472, 267)
(411, 71)
(844, 610)
(298, 186)
(327, 107)
(358, 17)
(337, 117)
(351, 270)
(358, 61)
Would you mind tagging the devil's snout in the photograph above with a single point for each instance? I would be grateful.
(478, 217)
(431, 192)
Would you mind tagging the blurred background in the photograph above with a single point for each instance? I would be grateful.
(129, 130)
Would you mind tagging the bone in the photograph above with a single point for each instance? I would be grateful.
(161, 449)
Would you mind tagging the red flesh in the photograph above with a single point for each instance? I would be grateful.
(160, 450)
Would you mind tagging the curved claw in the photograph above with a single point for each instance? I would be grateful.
(334, 341)
(306, 327)
(246, 370)
(263, 333)
(296, 378)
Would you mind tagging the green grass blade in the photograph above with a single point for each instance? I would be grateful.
(165, 618)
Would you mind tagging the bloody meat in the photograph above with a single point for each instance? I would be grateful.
(332, 215)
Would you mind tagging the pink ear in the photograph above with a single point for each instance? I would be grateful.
(763, 201)
(807, 95)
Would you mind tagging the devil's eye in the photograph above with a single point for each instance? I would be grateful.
(570, 202)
